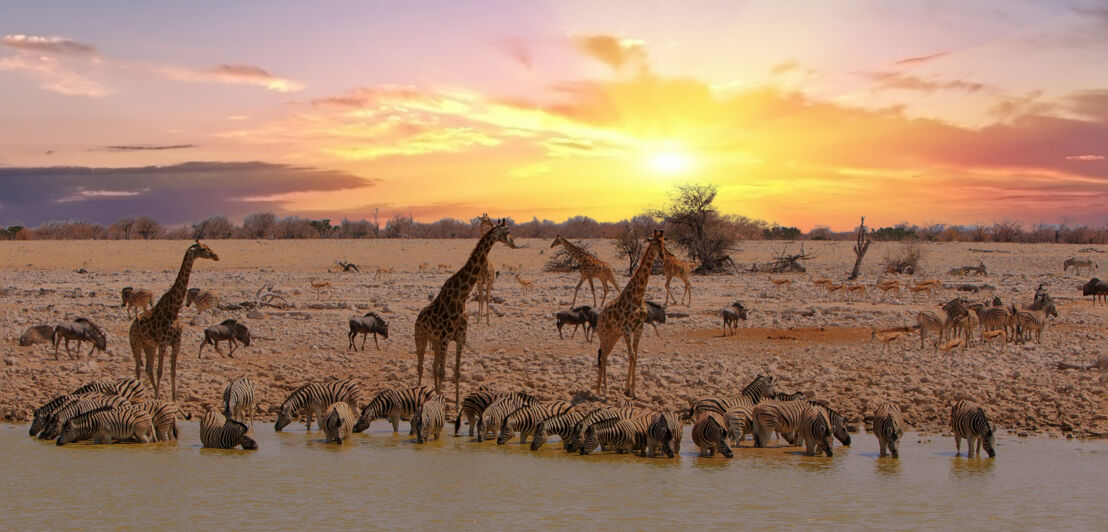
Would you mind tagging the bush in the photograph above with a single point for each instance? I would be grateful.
(905, 259)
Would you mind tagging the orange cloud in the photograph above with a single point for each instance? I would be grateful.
(233, 74)
(616, 53)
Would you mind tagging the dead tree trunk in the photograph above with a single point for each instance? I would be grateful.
(860, 249)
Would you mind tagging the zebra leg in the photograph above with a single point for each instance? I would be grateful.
(881, 444)
(395, 420)
(958, 445)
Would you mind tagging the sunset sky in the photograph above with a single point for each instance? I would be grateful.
(802, 113)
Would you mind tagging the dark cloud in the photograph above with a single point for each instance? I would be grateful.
(145, 147)
(912, 61)
(900, 81)
(53, 45)
(174, 194)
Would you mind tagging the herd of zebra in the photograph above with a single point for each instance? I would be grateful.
(106, 412)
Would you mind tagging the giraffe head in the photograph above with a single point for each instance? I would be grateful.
(657, 237)
(485, 220)
(500, 233)
(201, 251)
(557, 240)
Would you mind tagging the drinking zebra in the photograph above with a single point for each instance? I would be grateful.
(313, 398)
(604, 416)
(163, 416)
(562, 425)
(337, 422)
(525, 419)
(429, 418)
(473, 406)
(106, 424)
(710, 435)
(622, 436)
(665, 433)
(815, 430)
(80, 404)
(493, 416)
(219, 432)
(888, 426)
(394, 404)
(968, 420)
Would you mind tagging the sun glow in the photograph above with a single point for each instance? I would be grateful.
(668, 159)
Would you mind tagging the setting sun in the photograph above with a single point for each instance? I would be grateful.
(669, 162)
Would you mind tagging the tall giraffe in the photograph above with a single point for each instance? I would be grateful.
(591, 268)
(444, 320)
(624, 317)
(486, 277)
(675, 267)
(159, 328)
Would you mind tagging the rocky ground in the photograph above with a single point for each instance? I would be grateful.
(812, 342)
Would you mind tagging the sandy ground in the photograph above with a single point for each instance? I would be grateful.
(812, 342)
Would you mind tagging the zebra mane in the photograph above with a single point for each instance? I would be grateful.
(760, 380)
(297, 396)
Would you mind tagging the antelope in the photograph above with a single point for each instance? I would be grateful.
(442, 267)
(821, 283)
(1000, 335)
(320, 285)
(850, 290)
(953, 343)
(915, 290)
(888, 285)
(787, 284)
(888, 337)
(527, 284)
(383, 271)
(423, 266)
(832, 288)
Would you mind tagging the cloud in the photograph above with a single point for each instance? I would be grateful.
(233, 74)
(147, 147)
(783, 67)
(54, 75)
(173, 194)
(516, 50)
(52, 45)
(901, 81)
(913, 61)
(1084, 157)
(616, 53)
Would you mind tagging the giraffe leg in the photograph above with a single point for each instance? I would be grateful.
(438, 365)
(421, 348)
(630, 363)
(575, 290)
(633, 361)
(459, 342)
(688, 290)
(669, 294)
(593, 287)
(151, 351)
(136, 352)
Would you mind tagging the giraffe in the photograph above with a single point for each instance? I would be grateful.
(675, 267)
(624, 317)
(159, 329)
(591, 268)
(486, 277)
(444, 320)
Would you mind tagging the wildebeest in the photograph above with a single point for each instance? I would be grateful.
(230, 331)
(1095, 287)
(731, 316)
(371, 323)
(80, 329)
(655, 314)
(39, 334)
(577, 316)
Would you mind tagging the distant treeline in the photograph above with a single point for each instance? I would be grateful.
(267, 225)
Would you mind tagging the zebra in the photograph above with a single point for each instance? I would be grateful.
(163, 416)
(577, 316)
(815, 431)
(81, 330)
(762, 387)
(731, 316)
(107, 424)
(606, 416)
(128, 388)
(429, 418)
(664, 432)
(710, 435)
(42, 413)
(888, 426)
(1077, 264)
(562, 425)
(525, 419)
(313, 398)
(655, 314)
(782, 396)
(494, 416)
(1095, 287)
(394, 404)
(337, 422)
(136, 300)
(230, 331)
(940, 321)
(239, 400)
(994, 318)
(81, 404)
(784, 417)
(371, 323)
(218, 432)
(968, 420)
(622, 436)
(204, 300)
(739, 420)
(1034, 319)
(473, 406)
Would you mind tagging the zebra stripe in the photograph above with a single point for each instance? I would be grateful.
(394, 404)
(710, 435)
(129, 389)
(493, 417)
(429, 418)
(888, 426)
(780, 416)
(45, 411)
(106, 425)
(218, 432)
(606, 416)
(313, 398)
(815, 430)
(239, 400)
(1034, 319)
(561, 424)
(622, 436)
(665, 433)
(338, 421)
(994, 319)
(968, 420)
(473, 406)
(202, 299)
(163, 416)
(762, 387)
(739, 421)
(82, 404)
(525, 419)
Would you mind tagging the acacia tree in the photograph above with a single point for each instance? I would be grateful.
(694, 224)
(214, 227)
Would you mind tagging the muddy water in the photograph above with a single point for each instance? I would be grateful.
(381, 480)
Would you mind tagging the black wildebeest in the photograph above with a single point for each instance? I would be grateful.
(577, 316)
(1096, 288)
(229, 331)
(371, 323)
(655, 314)
(80, 329)
(731, 316)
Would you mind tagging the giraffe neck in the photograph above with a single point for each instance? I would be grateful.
(170, 302)
(636, 287)
(581, 256)
(464, 280)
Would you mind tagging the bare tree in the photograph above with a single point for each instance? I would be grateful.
(860, 248)
(147, 228)
(214, 227)
(259, 225)
(694, 224)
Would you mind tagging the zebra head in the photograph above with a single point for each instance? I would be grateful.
(591, 441)
(538, 437)
(721, 444)
(506, 430)
(892, 440)
(285, 416)
(68, 433)
(988, 440)
(244, 440)
(369, 413)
